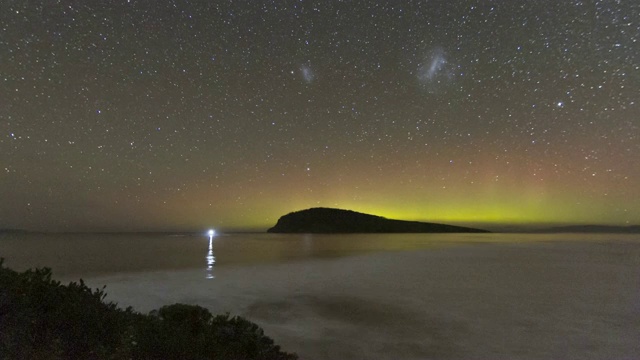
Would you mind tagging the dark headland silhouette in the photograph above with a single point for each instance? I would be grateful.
(327, 220)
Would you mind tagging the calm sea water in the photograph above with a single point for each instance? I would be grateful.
(99, 254)
(409, 296)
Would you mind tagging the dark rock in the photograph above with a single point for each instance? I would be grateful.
(327, 220)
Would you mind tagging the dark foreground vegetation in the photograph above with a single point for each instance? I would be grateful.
(42, 319)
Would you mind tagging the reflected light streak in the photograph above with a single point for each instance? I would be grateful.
(211, 260)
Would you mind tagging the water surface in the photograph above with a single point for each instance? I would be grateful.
(95, 254)
(413, 296)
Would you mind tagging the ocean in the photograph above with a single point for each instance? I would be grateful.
(382, 296)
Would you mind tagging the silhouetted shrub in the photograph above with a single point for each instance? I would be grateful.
(42, 319)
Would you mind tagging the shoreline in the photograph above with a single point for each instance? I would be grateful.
(504, 301)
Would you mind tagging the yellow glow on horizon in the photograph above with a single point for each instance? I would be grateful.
(503, 203)
(520, 209)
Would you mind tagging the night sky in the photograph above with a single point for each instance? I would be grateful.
(184, 115)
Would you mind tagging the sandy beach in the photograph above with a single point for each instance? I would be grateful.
(567, 300)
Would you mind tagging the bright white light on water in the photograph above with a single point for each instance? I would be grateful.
(211, 260)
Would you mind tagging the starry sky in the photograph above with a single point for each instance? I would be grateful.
(188, 114)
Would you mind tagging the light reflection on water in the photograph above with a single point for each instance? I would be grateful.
(518, 300)
(211, 260)
(85, 255)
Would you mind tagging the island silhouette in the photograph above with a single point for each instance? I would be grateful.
(328, 220)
